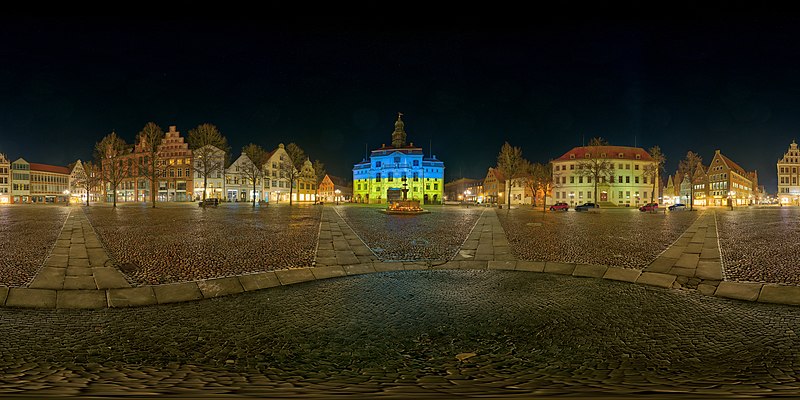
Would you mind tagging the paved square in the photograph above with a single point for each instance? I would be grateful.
(178, 243)
(760, 244)
(27, 234)
(618, 237)
(437, 235)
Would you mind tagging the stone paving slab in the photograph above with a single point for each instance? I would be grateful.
(79, 283)
(505, 265)
(688, 260)
(474, 264)
(415, 266)
(109, 278)
(559, 268)
(131, 297)
(328, 272)
(739, 290)
(780, 294)
(31, 298)
(3, 294)
(290, 276)
(622, 274)
(92, 299)
(262, 280)
(709, 270)
(49, 278)
(656, 279)
(220, 287)
(531, 266)
(359, 269)
(590, 271)
(177, 292)
(387, 266)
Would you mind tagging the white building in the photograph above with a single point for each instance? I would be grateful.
(20, 181)
(276, 183)
(626, 185)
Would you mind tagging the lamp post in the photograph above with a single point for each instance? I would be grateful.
(337, 191)
(66, 195)
(571, 198)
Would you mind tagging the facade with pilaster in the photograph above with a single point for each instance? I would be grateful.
(389, 169)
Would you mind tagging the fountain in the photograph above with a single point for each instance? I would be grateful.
(403, 206)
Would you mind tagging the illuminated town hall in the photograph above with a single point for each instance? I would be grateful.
(389, 169)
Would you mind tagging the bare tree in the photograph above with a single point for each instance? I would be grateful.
(653, 171)
(509, 163)
(292, 167)
(689, 166)
(598, 141)
(595, 167)
(542, 180)
(319, 175)
(149, 165)
(92, 178)
(110, 153)
(206, 142)
(253, 166)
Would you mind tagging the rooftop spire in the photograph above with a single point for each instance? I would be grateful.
(399, 134)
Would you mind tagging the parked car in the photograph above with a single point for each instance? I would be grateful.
(586, 206)
(559, 207)
(649, 207)
(678, 206)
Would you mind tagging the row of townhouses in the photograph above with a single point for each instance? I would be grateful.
(629, 182)
(179, 179)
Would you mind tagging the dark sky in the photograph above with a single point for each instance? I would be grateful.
(333, 84)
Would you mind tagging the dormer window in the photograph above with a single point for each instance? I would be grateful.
(621, 155)
(602, 155)
(587, 155)
(572, 156)
(638, 156)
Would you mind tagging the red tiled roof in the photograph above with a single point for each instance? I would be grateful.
(49, 168)
(612, 152)
(732, 165)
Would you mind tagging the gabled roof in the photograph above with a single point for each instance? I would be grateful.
(49, 168)
(732, 165)
(611, 152)
(496, 173)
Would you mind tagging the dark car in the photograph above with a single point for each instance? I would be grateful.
(586, 206)
(649, 207)
(678, 206)
(559, 207)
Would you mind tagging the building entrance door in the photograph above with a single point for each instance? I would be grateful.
(603, 196)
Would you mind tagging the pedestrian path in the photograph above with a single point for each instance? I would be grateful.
(338, 244)
(487, 241)
(74, 274)
(694, 259)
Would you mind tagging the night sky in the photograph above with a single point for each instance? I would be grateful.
(332, 84)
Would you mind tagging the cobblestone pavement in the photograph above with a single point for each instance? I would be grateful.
(437, 235)
(618, 237)
(760, 244)
(401, 334)
(184, 243)
(27, 235)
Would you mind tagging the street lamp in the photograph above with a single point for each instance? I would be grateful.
(337, 191)
(66, 195)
